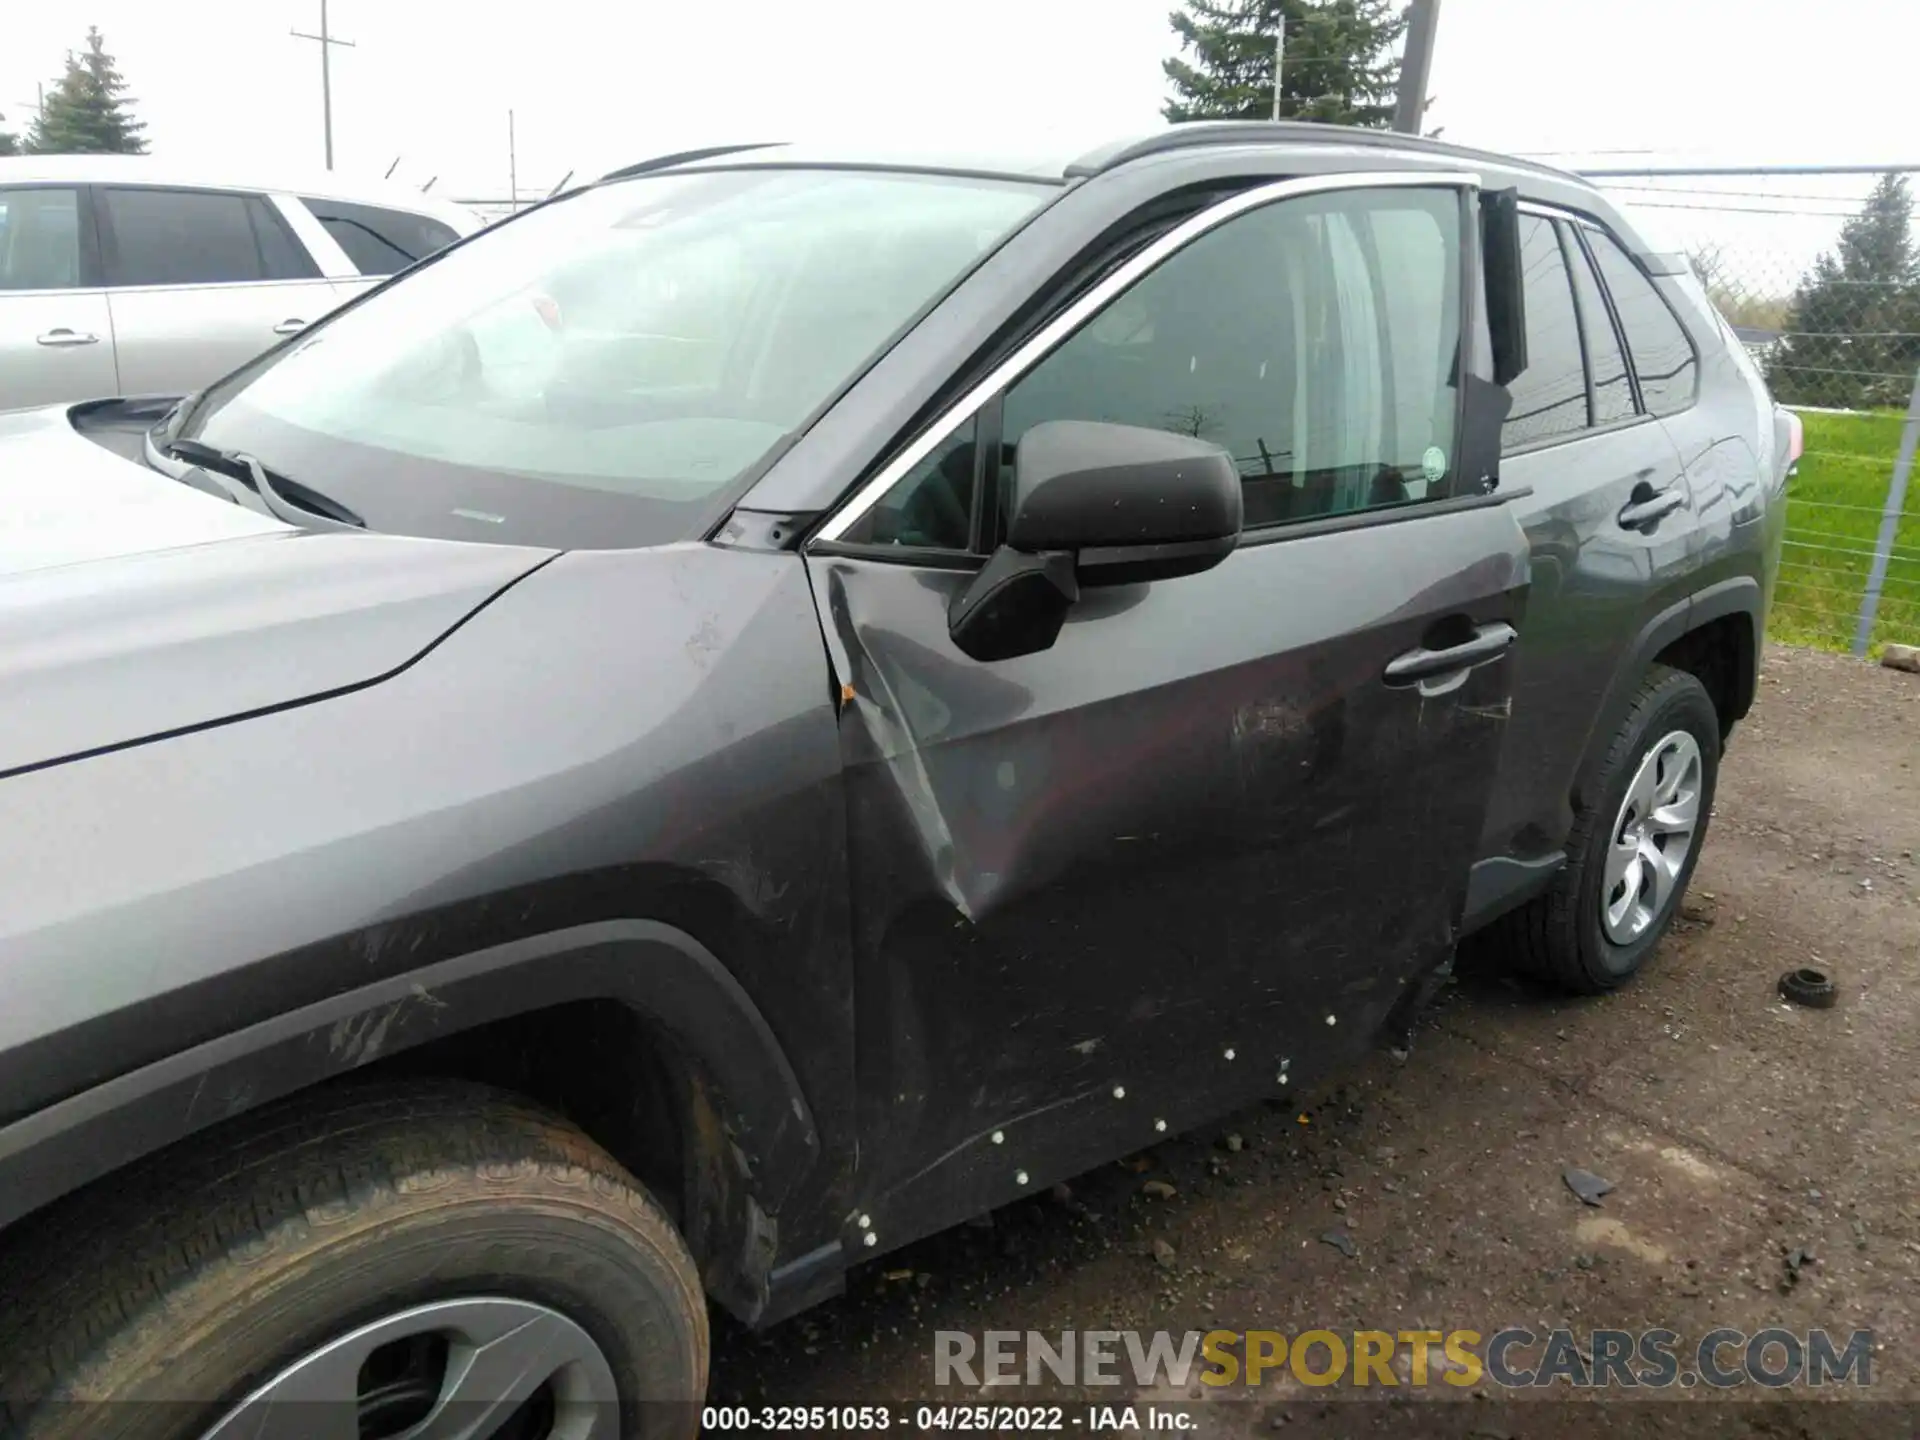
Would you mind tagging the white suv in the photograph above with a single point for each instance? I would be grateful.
(120, 275)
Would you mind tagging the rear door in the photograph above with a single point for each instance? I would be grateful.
(1611, 518)
(56, 336)
(1196, 850)
(199, 282)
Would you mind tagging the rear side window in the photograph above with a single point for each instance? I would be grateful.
(1612, 389)
(380, 241)
(196, 237)
(39, 239)
(1550, 395)
(1662, 355)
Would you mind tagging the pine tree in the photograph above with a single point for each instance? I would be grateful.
(87, 112)
(1853, 333)
(1342, 65)
(9, 142)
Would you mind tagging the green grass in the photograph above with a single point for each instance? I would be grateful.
(1833, 519)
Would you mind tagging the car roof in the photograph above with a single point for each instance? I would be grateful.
(1064, 165)
(153, 170)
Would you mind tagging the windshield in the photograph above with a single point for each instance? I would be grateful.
(592, 374)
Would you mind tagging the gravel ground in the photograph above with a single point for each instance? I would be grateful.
(1737, 1130)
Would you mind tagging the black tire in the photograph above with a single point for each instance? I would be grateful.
(1558, 934)
(194, 1277)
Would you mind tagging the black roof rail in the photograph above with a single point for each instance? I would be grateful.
(683, 157)
(1191, 134)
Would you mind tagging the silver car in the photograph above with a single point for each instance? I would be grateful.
(123, 275)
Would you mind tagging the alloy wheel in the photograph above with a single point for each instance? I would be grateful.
(485, 1368)
(1652, 837)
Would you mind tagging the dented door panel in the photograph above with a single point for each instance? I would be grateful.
(1201, 823)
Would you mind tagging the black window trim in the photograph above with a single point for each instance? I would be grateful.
(1619, 329)
(1567, 259)
(109, 243)
(1067, 321)
(92, 271)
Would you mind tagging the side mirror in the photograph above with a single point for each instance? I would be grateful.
(1095, 504)
(1506, 289)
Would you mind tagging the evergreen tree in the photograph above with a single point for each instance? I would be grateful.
(9, 142)
(87, 112)
(1342, 65)
(1853, 332)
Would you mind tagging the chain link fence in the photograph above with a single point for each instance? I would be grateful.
(1817, 272)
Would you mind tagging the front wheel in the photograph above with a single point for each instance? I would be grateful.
(428, 1259)
(1633, 847)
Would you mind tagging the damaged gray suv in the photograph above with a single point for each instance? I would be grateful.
(777, 701)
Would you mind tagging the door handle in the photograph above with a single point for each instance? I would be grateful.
(1649, 505)
(1488, 643)
(63, 336)
(289, 327)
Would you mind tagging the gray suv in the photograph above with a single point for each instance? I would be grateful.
(777, 701)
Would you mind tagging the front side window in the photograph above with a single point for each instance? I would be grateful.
(1663, 357)
(196, 237)
(377, 240)
(39, 239)
(1550, 395)
(1314, 340)
(593, 372)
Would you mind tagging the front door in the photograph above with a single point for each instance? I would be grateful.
(1196, 850)
(56, 340)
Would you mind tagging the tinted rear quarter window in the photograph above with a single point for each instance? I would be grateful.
(196, 237)
(1612, 388)
(1662, 355)
(380, 241)
(1550, 395)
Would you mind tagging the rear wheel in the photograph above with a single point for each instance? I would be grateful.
(1632, 849)
(432, 1258)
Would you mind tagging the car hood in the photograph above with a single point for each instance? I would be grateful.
(133, 607)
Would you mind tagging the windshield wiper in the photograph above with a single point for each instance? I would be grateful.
(288, 500)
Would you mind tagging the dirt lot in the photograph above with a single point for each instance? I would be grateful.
(1736, 1129)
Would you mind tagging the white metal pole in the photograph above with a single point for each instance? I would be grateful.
(1279, 59)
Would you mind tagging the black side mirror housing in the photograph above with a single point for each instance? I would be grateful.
(1095, 504)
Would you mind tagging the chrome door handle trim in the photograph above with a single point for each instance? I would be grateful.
(62, 336)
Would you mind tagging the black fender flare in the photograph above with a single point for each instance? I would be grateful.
(664, 974)
(1735, 595)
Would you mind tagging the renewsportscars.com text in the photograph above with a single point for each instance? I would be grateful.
(1512, 1358)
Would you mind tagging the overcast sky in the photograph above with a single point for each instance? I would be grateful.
(594, 85)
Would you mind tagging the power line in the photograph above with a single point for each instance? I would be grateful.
(1737, 194)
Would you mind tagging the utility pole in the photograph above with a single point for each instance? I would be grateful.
(1279, 59)
(1416, 66)
(327, 42)
(513, 174)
